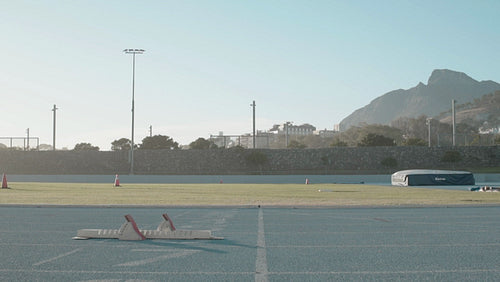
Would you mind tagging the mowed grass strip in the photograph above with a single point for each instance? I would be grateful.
(236, 195)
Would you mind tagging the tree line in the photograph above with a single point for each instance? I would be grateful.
(401, 132)
(155, 142)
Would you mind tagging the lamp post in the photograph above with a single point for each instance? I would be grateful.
(28, 139)
(133, 52)
(453, 120)
(253, 139)
(428, 122)
(54, 109)
(287, 125)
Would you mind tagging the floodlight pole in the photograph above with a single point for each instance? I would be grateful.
(133, 52)
(28, 139)
(253, 106)
(453, 119)
(54, 129)
(287, 125)
(428, 122)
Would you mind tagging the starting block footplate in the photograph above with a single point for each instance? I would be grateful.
(130, 231)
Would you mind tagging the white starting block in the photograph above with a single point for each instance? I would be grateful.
(130, 231)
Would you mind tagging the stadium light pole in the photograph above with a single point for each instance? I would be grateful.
(54, 109)
(453, 120)
(133, 52)
(428, 122)
(28, 139)
(253, 139)
(287, 125)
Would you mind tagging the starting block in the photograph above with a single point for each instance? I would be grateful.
(130, 231)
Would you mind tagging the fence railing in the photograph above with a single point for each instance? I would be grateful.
(14, 142)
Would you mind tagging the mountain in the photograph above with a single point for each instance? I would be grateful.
(484, 112)
(430, 100)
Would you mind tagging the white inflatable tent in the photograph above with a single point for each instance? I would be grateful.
(416, 177)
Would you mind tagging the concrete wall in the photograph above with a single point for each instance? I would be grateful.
(336, 160)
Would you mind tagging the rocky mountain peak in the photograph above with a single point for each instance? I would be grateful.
(430, 100)
(445, 76)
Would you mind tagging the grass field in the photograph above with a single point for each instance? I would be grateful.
(236, 195)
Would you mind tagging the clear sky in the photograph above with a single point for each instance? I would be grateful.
(304, 61)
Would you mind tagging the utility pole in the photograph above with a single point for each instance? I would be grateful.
(428, 122)
(133, 52)
(54, 109)
(287, 125)
(253, 106)
(28, 139)
(150, 131)
(453, 119)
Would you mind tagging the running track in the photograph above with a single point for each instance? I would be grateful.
(266, 244)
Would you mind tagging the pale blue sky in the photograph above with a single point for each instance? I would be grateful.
(206, 61)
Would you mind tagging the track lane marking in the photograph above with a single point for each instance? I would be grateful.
(57, 257)
(159, 258)
(261, 271)
(22, 270)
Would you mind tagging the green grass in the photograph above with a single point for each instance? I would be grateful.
(236, 195)
(485, 170)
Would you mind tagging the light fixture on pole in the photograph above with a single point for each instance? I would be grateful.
(453, 120)
(428, 122)
(253, 132)
(28, 139)
(133, 52)
(287, 125)
(54, 109)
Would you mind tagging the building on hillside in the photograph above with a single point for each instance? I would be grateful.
(328, 133)
(486, 128)
(325, 133)
(262, 140)
(289, 129)
(268, 139)
(225, 141)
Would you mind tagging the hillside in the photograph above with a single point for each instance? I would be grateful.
(429, 99)
(486, 109)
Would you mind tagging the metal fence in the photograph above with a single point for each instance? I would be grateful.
(21, 143)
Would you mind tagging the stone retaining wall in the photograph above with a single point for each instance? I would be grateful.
(335, 160)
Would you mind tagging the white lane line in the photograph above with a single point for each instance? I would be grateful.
(389, 246)
(261, 260)
(10, 270)
(386, 272)
(55, 258)
(159, 258)
(154, 250)
(162, 273)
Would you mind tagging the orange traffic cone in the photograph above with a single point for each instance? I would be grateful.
(117, 181)
(4, 182)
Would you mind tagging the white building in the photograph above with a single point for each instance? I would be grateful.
(290, 129)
